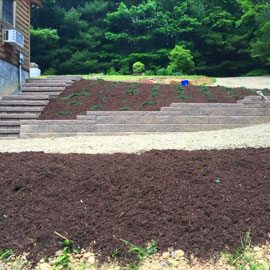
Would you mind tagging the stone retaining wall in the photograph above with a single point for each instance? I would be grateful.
(179, 117)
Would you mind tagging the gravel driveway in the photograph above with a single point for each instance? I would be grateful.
(248, 82)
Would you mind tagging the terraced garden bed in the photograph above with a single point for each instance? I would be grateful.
(98, 95)
(203, 202)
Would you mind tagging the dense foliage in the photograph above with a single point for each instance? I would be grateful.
(212, 37)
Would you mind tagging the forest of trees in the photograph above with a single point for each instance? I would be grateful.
(210, 37)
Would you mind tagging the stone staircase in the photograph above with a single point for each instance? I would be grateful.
(27, 105)
(178, 117)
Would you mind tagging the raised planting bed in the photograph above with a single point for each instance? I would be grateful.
(203, 202)
(99, 95)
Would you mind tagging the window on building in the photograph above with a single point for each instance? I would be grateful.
(8, 11)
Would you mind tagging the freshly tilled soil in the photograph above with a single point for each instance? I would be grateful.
(202, 201)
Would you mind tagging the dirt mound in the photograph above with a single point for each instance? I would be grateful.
(200, 201)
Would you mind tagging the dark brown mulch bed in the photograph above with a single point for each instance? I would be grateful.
(113, 96)
(201, 201)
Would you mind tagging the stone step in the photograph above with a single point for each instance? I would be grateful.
(141, 120)
(21, 109)
(50, 81)
(50, 94)
(9, 131)
(253, 104)
(116, 113)
(64, 77)
(46, 84)
(42, 89)
(26, 97)
(23, 102)
(204, 105)
(10, 123)
(18, 116)
(9, 136)
(258, 98)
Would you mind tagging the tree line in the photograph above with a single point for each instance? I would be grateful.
(210, 37)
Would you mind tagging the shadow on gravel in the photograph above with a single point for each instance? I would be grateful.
(201, 201)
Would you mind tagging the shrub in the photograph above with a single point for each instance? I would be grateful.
(162, 72)
(49, 71)
(112, 71)
(181, 61)
(138, 68)
(148, 73)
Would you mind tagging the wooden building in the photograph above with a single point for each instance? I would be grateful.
(14, 45)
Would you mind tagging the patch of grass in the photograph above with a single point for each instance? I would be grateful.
(64, 113)
(76, 103)
(155, 91)
(196, 79)
(83, 93)
(141, 253)
(132, 90)
(125, 108)
(243, 259)
(6, 255)
(96, 107)
(149, 103)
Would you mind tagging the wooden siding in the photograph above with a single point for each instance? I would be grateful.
(22, 24)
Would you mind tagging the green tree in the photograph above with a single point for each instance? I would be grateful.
(260, 46)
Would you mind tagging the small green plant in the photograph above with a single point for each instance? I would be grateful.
(155, 91)
(149, 103)
(76, 103)
(64, 259)
(181, 93)
(64, 113)
(83, 93)
(125, 108)
(140, 252)
(115, 253)
(96, 107)
(103, 98)
(138, 68)
(132, 90)
(6, 255)
(83, 113)
(116, 84)
(207, 92)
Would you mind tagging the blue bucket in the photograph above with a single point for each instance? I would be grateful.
(185, 83)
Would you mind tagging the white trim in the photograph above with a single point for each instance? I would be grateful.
(14, 12)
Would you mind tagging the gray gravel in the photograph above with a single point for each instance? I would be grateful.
(254, 136)
(261, 82)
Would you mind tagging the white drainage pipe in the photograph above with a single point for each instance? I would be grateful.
(260, 93)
